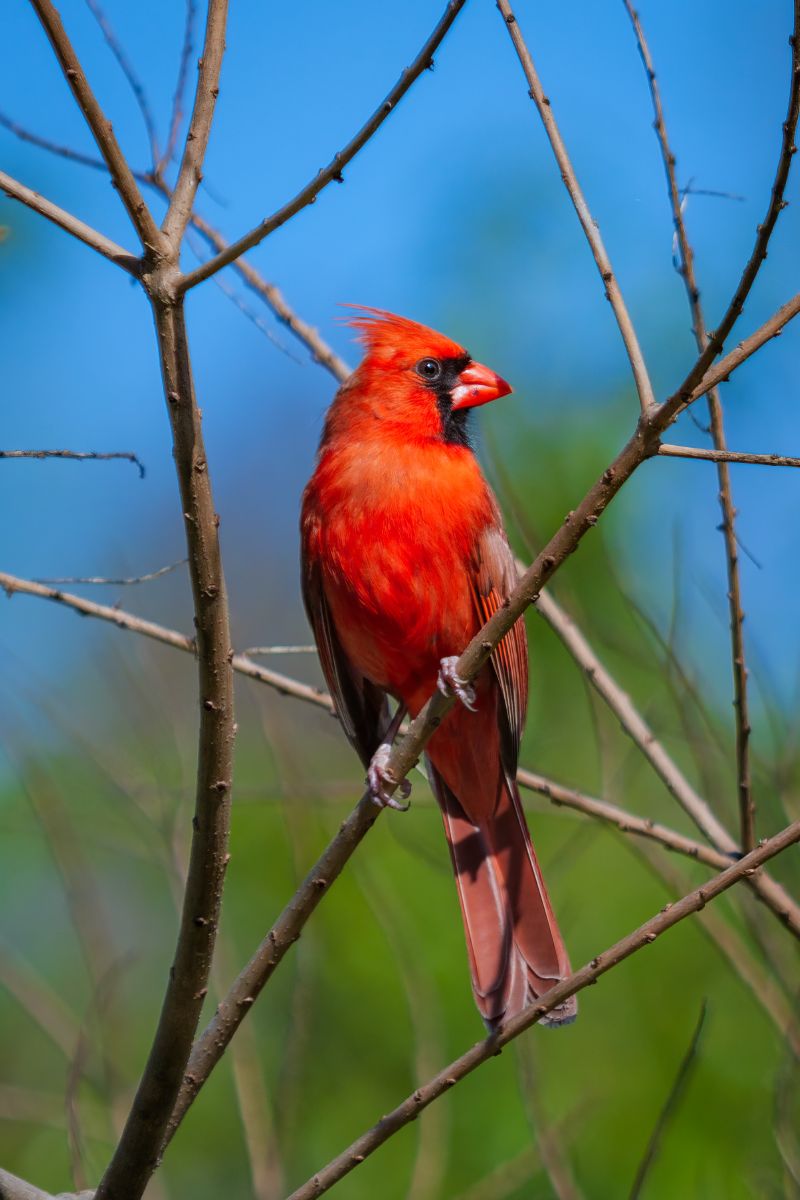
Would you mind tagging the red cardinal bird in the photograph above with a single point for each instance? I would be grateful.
(404, 558)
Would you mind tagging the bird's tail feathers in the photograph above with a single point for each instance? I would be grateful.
(516, 952)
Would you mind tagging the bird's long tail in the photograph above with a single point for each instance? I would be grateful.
(516, 952)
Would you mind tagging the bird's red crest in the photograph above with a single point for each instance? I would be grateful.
(386, 336)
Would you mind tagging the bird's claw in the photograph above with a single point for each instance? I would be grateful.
(379, 775)
(450, 683)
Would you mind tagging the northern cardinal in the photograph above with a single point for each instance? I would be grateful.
(404, 557)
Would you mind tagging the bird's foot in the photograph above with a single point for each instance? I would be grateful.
(451, 684)
(379, 775)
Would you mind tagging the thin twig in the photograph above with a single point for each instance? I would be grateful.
(128, 70)
(124, 582)
(410, 1109)
(589, 225)
(14, 1188)
(671, 1104)
(70, 224)
(716, 338)
(38, 1000)
(61, 151)
(728, 456)
(548, 1140)
(721, 371)
(180, 89)
(773, 895)
(321, 352)
(717, 424)
(287, 686)
(80, 455)
(191, 169)
(333, 171)
(627, 822)
(504, 1180)
(634, 724)
(251, 650)
(100, 127)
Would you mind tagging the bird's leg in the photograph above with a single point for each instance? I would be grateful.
(450, 683)
(378, 773)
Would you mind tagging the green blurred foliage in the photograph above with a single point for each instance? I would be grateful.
(376, 995)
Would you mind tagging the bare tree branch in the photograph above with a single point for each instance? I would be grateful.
(191, 170)
(67, 152)
(728, 456)
(180, 89)
(14, 1188)
(768, 890)
(272, 296)
(136, 1155)
(100, 127)
(716, 338)
(721, 372)
(716, 420)
(128, 70)
(287, 686)
(410, 1109)
(627, 822)
(321, 352)
(125, 581)
(36, 998)
(671, 1105)
(634, 724)
(80, 455)
(66, 221)
(308, 194)
(589, 225)
(547, 1136)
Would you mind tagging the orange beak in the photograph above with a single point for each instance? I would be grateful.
(477, 385)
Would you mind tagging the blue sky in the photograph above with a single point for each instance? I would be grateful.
(454, 214)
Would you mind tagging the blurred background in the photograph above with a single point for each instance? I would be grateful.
(455, 215)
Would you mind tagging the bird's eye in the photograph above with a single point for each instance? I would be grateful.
(429, 368)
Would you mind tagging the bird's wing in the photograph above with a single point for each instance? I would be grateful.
(362, 708)
(494, 577)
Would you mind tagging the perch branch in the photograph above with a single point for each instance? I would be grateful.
(333, 171)
(717, 423)
(645, 935)
(589, 225)
(70, 224)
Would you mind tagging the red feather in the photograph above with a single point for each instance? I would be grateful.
(404, 558)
